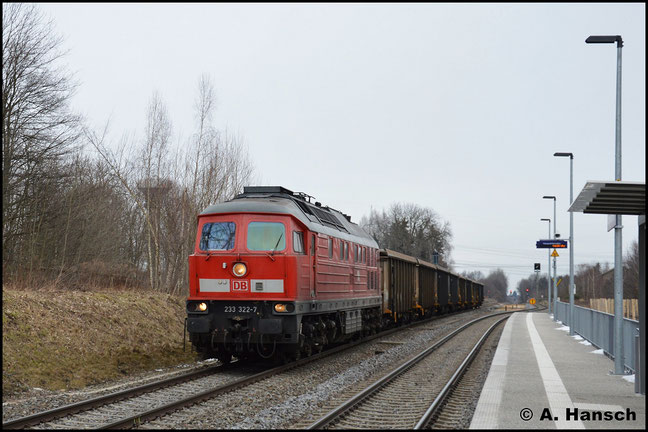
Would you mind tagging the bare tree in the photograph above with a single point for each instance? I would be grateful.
(38, 128)
(411, 229)
(496, 285)
(216, 167)
(475, 275)
(154, 185)
(631, 271)
(168, 188)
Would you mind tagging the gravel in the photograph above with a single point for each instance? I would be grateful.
(278, 402)
(38, 400)
(283, 401)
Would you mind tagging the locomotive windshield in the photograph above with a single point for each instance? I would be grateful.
(218, 236)
(266, 236)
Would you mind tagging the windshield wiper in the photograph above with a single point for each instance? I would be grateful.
(277, 244)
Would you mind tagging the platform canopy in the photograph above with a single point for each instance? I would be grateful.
(611, 197)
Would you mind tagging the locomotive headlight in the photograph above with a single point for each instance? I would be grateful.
(239, 269)
(283, 307)
(197, 307)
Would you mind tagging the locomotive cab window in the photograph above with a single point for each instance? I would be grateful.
(266, 236)
(298, 242)
(217, 236)
(330, 247)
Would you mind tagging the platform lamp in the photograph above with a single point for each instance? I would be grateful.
(619, 367)
(571, 240)
(548, 266)
(555, 288)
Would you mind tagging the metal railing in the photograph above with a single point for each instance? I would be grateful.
(598, 329)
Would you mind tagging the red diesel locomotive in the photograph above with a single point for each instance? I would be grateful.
(274, 275)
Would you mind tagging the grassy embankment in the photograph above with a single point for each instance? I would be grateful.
(69, 339)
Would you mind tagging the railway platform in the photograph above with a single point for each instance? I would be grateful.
(542, 378)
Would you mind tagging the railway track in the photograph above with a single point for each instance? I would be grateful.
(457, 408)
(415, 394)
(130, 408)
(454, 410)
(48, 417)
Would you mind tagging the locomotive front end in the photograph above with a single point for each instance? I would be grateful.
(242, 283)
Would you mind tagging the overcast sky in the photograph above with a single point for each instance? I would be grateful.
(454, 107)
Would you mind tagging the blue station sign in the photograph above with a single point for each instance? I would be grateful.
(551, 244)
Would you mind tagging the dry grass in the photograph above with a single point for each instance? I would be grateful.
(57, 339)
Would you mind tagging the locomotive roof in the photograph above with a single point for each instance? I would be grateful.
(276, 199)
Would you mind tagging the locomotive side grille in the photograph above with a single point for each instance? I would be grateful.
(324, 217)
(328, 218)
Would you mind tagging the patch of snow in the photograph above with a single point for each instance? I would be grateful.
(629, 378)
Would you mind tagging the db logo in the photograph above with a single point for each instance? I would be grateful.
(239, 285)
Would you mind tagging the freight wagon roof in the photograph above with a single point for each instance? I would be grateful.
(324, 220)
(393, 254)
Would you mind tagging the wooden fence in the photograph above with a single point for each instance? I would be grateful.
(630, 307)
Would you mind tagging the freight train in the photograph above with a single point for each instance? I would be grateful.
(275, 275)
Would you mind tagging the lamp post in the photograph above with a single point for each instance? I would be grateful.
(619, 368)
(571, 240)
(548, 266)
(555, 288)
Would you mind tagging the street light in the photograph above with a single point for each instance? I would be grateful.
(619, 369)
(555, 288)
(548, 266)
(571, 240)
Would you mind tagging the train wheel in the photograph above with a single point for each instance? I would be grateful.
(283, 358)
(308, 349)
(224, 358)
(207, 354)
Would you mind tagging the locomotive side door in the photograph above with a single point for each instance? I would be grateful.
(312, 267)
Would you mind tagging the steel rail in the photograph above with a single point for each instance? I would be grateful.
(445, 392)
(77, 407)
(137, 419)
(367, 392)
